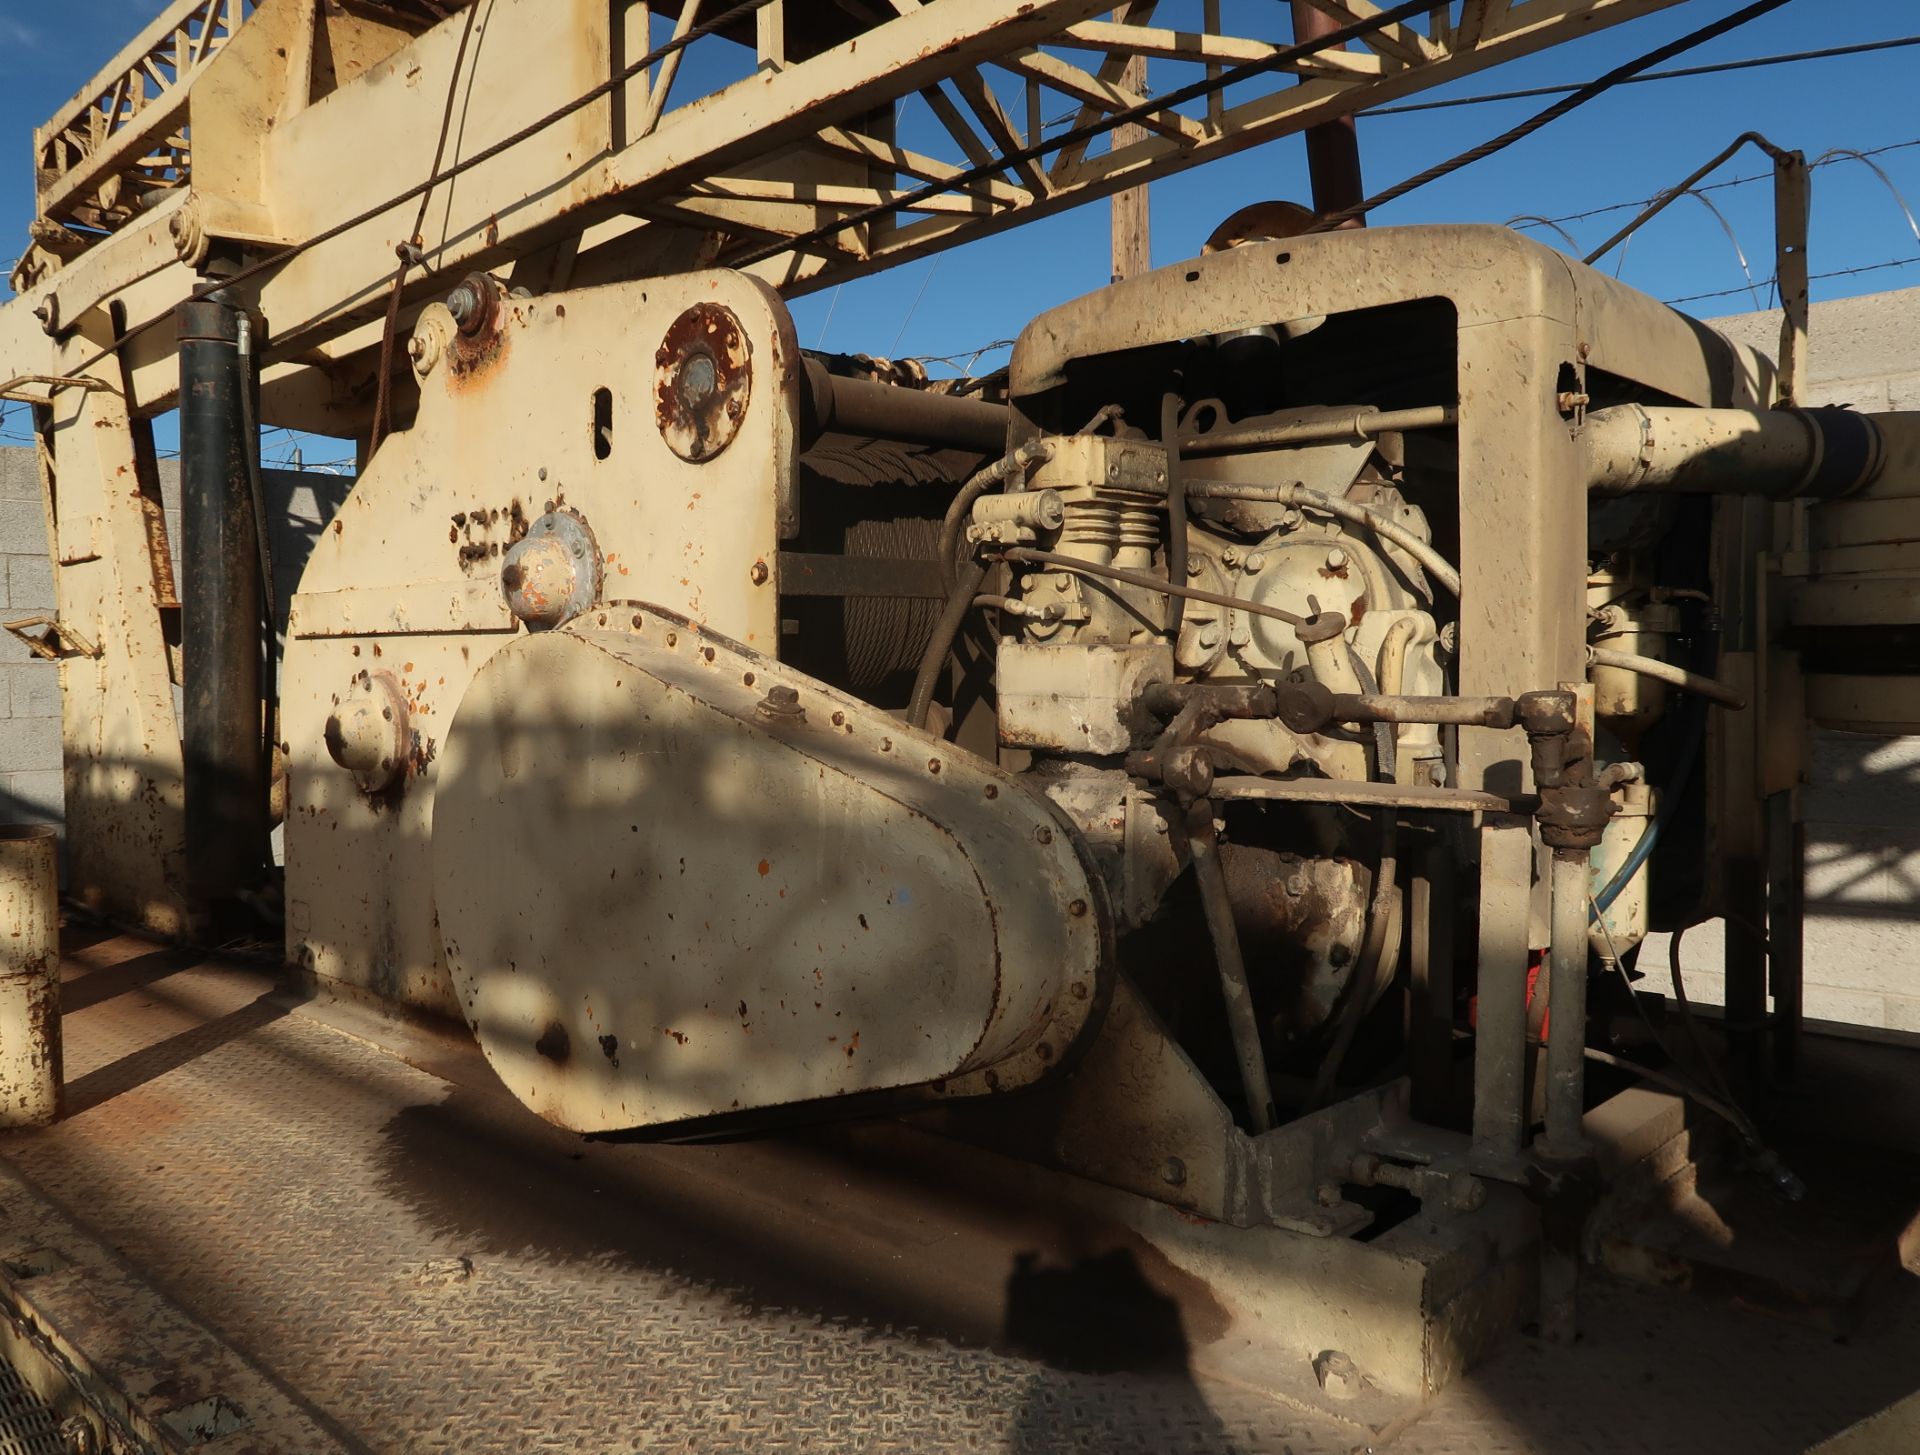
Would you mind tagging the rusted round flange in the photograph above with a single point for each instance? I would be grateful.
(703, 377)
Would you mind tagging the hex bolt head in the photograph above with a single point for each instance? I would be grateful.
(1336, 559)
(758, 573)
(1256, 563)
(1196, 566)
(463, 303)
(1230, 557)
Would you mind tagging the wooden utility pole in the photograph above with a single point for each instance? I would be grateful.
(1132, 250)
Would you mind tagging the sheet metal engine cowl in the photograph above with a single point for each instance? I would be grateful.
(675, 879)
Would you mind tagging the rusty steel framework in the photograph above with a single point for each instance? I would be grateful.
(651, 177)
(601, 635)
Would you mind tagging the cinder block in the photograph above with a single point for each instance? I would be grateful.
(170, 486)
(1854, 779)
(1903, 1012)
(1904, 392)
(23, 527)
(33, 797)
(35, 689)
(1845, 1007)
(30, 583)
(19, 474)
(29, 744)
(13, 650)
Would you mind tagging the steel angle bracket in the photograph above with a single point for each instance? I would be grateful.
(677, 879)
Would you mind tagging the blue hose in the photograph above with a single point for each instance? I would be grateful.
(1650, 835)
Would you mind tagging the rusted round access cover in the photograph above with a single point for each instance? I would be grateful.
(703, 378)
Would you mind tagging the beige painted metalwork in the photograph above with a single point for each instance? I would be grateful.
(124, 136)
(406, 584)
(675, 880)
(30, 1079)
(279, 138)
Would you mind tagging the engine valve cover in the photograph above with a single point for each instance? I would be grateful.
(676, 879)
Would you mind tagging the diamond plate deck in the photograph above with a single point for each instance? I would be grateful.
(423, 1266)
(27, 1426)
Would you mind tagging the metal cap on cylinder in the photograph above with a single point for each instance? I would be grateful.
(368, 732)
(553, 574)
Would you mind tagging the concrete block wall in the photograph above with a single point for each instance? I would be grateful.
(30, 784)
(31, 790)
(1861, 798)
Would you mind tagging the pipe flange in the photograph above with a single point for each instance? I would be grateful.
(553, 574)
(703, 379)
(368, 731)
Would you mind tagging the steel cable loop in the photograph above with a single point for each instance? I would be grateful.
(409, 251)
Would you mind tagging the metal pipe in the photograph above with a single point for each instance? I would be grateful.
(1390, 667)
(912, 416)
(1566, 1025)
(1333, 147)
(1176, 511)
(1668, 673)
(1493, 712)
(30, 1081)
(1782, 454)
(1360, 424)
(222, 637)
(1238, 995)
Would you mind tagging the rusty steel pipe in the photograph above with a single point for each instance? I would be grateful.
(911, 416)
(1333, 147)
(223, 631)
(1566, 996)
(29, 976)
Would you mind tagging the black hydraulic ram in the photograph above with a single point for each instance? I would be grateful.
(223, 637)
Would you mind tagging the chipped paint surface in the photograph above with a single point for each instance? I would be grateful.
(411, 581)
(741, 907)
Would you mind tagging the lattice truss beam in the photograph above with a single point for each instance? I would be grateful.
(760, 144)
(1073, 77)
(125, 135)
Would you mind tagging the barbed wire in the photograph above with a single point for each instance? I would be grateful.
(1826, 159)
(1811, 277)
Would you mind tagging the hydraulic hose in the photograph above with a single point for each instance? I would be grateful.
(1666, 672)
(959, 601)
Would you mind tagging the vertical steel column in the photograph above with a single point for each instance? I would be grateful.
(1567, 1005)
(29, 976)
(1333, 147)
(222, 629)
(1430, 1029)
(1500, 1039)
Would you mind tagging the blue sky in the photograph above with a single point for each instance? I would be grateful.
(1622, 147)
